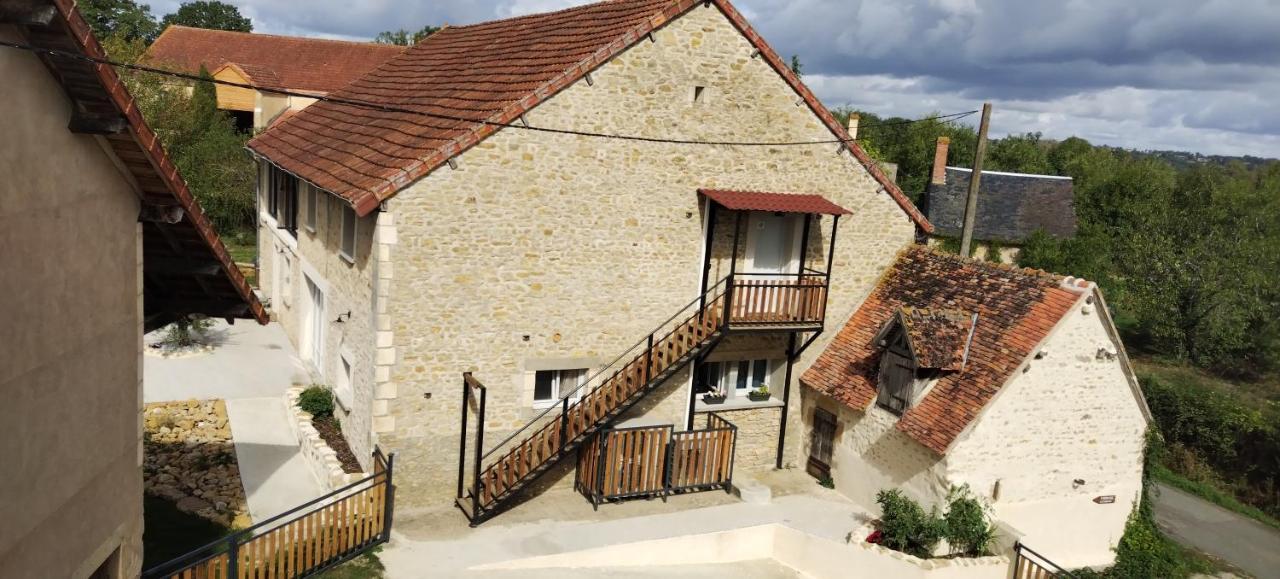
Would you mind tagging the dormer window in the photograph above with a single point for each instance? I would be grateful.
(917, 347)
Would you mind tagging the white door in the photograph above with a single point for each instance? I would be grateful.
(315, 327)
(771, 243)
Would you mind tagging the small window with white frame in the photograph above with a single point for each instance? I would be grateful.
(349, 224)
(734, 378)
(344, 389)
(549, 386)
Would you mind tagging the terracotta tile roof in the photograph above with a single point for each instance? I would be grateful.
(488, 74)
(939, 337)
(256, 75)
(307, 64)
(1016, 310)
(781, 202)
(188, 249)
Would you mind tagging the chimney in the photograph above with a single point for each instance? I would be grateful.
(940, 162)
(853, 125)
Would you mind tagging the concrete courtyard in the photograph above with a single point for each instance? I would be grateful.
(250, 367)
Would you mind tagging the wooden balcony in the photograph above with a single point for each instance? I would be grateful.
(776, 302)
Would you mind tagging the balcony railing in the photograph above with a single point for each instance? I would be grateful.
(769, 300)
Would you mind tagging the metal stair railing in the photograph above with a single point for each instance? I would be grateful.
(599, 399)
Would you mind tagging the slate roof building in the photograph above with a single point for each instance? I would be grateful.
(1011, 206)
(1012, 381)
(103, 241)
(314, 66)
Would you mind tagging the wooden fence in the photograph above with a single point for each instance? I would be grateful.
(1028, 564)
(656, 461)
(301, 542)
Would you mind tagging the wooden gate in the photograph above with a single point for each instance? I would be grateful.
(656, 461)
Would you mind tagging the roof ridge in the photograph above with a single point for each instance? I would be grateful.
(532, 15)
(1008, 267)
(292, 37)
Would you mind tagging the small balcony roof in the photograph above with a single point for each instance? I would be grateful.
(777, 202)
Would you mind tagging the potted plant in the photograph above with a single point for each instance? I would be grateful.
(715, 396)
(759, 394)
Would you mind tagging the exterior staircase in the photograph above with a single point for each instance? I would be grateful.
(796, 303)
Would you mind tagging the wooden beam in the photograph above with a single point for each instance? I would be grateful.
(178, 266)
(27, 12)
(208, 307)
(86, 123)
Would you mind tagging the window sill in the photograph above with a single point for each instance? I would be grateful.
(736, 404)
(289, 241)
(346, 258)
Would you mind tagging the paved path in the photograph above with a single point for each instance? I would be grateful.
(250, 361)
(272, 470)
(250, 368)
(1241, 541)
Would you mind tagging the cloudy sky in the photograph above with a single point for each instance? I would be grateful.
(1196, 75)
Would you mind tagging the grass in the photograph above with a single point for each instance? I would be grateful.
(366, 566)
(242, 246)
(170, 532)
(1263, 393)
(1212, 493)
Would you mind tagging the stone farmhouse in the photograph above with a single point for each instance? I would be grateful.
(310, 66)
(1011, 206)
(627, 213)
(1011, 381)
(85, 180)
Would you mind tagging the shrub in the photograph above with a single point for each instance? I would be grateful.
(969, 530)
(317, 401)
(905, 526)
(186, 332)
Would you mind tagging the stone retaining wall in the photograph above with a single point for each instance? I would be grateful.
(320, 458)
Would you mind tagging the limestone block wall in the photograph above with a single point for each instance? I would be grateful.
(544, 247)
(757, 445)
(72, 371)
(1071, 415)
(870, 455)
(347, 286)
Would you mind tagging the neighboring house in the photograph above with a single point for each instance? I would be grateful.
(102, 241)
(400, 250)
(312, 66)
(1011, 206)
(1012, 381)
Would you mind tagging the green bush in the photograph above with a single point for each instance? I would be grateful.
(905, 526)
(317, 401)
(186, 332)
(969, 530)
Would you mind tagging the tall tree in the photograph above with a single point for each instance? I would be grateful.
(404, 37)
(124, 18)
(209, 14)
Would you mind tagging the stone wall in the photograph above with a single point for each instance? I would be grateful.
(347, 287)
(756, 448)
(71, 496)
(870, 455)
(1071, 415)
(542, 247)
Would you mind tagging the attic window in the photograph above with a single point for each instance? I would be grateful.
(898, 374)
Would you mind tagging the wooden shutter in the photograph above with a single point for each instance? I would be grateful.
(897, 376)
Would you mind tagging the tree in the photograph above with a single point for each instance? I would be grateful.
(200, 139)
(911, 145)
(124, 18)
(1019, 154)
(210, 14)
(796, 66)
(403, 37)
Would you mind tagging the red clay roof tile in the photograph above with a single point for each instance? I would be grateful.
(481, 77)
(781, 202)
(305, 64)
(1016, 309)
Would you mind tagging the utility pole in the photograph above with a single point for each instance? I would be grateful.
(971, 201)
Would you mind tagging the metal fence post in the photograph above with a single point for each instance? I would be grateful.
(389, 506)
(728, 302)
(648, 362)
(233, 561)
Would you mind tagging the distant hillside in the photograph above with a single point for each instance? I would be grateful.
(1183, 160)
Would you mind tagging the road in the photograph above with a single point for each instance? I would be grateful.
(1204, 526)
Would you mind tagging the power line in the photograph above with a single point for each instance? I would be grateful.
(400, 110)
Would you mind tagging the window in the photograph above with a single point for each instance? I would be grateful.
(283, 200)
(549, 386)
(313, 206)
(735, 378)
(343, 389)
(349, 222)
(898, 376)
